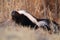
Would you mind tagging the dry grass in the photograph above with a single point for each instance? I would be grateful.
(35, 7)
(12, 31)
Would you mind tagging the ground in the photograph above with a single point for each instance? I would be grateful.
(11, 31)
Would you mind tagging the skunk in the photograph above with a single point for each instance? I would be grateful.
(26, 19)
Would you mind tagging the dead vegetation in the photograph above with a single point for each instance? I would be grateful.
(39, 8)
(12, 31)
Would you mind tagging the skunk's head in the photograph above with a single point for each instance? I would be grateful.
(15, 15)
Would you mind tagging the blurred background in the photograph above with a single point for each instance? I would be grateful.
(39, 8)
